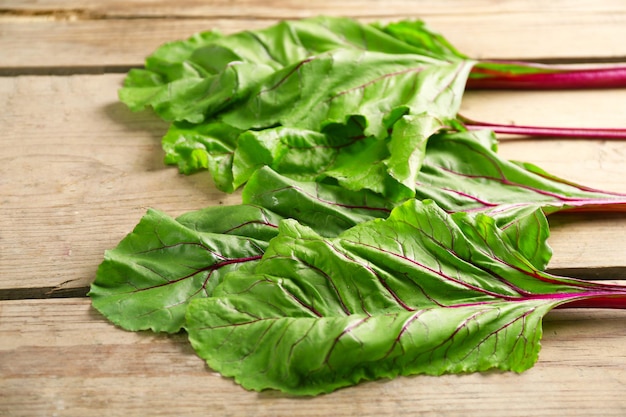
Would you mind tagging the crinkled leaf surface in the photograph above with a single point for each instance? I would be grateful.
(330, 87)
(462, 172)
(388, 167)
(317, 117)
(192, 79)
(147, 281)
(303, 75)
(210, 146)
(300, 80)
(419, 292)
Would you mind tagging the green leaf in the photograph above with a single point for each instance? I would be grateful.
(286, 96)
(298, 153)
(310, 356)
(528, 231)
(246, 220)
(417, 34)
(331, 87)
(421, 292)
(462, 174)
(148, 279)
(356, 162)
(192, 99)
(209, 146)
(407, 147)
(192, 79)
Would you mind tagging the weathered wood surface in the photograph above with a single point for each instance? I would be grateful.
(95, 35)
(77, 171)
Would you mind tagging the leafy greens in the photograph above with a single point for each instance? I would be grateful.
(309, 98)
(149, 279)
(376, 237)
(345, 90)
(420, 292)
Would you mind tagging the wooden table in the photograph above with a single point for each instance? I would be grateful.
(78, 170)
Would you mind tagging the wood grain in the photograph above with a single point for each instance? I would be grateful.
(294, 8)
(77, 172)
(59, 357)
(81, 35)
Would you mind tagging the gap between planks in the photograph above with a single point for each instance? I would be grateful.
(41, 293)
(62, 70)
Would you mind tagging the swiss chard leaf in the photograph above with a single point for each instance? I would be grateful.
(303, 76)
(464, 174)
(210, 146)
(421, 292)
(308, 286)
(317, 117)
(147, 281)
(388, 167)
(144, 283)
(179, 76)
(330, 87)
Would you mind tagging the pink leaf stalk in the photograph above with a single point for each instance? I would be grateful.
(511, 75)
(548, 132)
(547, 78)
(609, 301)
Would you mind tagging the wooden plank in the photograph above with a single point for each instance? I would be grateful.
(293, 8)
(78, 170)
(598, 164)
(70, 34)
(59, 357)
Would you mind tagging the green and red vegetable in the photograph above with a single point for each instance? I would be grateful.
(379, 234)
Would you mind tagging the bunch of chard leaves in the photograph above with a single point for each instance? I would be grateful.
(329, 258)
(314, 99)
(276, 305)
(333, 271)
(346, 90)
(138, 282)
(419, 292)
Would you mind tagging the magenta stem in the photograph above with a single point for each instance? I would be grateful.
(607, 301)
(556, 79)
(549, 132)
